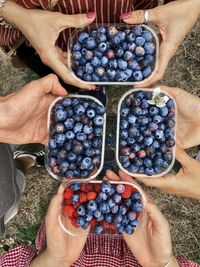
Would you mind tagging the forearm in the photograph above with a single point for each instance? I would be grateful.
(46, 260)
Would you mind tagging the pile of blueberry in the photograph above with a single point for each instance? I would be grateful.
(146, 133)
(117, 54)
(105, 207)
(76, 133)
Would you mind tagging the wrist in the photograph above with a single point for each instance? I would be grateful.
(173, 263)
(46, 259)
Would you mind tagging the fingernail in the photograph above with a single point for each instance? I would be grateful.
(126, 15)
(90, 15)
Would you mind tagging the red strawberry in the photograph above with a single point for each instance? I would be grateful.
(75, 214)
(105, 225)
(68, 210)
(91, 195)
(86, 187)
(68, 201)
(82, 197)
(76, 205)
(68, 193)
(93, 222)
(74, 223)
(127, 192)
(97, 188)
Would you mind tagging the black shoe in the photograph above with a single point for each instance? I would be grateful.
(38, 157)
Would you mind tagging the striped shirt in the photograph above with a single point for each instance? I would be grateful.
(106, 11)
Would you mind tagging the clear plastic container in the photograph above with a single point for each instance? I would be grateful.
(67, 223)
(121, 27)
(156, 91)
(98, 167)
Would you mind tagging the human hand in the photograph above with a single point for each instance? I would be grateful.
(155, 230)
(42, 29)
(185, 183)
(188, 124)
(62, 249)
(174, 20)
(24, 113)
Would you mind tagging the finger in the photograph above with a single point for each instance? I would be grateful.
(112, 176)
(55, 206)
(159, 222)
(125, 177)
(154, 182)
(52, 60)
(182, 156)
(137, 16)
(76, 21)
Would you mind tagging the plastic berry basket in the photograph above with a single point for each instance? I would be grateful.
(98, 165)
(130, 157)
(124, 74)
(70, 213)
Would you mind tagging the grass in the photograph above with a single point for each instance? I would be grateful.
(27, 234)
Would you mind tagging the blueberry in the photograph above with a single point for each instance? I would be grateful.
(139, 51)
(109, 218)
(90, 113)
(97, 53)
(119, 52)
(60, 115)
(124, 112)
(100, 219)
(98, 229)
(163, 148)
(150, 59)
(75, 198)
(124, 124)
(87, 77)
(115, 40)
(133, 132)
(83, 37)
(89, 69)
(102, 47)
(52, 143)
(99, 71)
(157, 119)
(117, 218)
(131, 47)
(96, 62)
(138, 206)
(117, 198)
(156, 144)
(121, 35)
(158, 162)
(81, 137)
(115, 209)
(169, 133)
(64, 166)
(77, 46)
(147, 35)
(168, 156)
(113, 63)
(122, 64)
(137, 111)
(111, 73)
(170, 103)
(159, 134)
(128, 55)
(147, 72)
(131, 119)
(79, 110)
(144, 104)
(86, 163)
(80, 73)
(164, 166)
(152, 126)
(148, 162)
(103, 207)
(81, 210)
(88, 55)
(92, 205)
(77, 55)
(101, 38)
(153, 111)
(121, 76)
(130, 140)
(60, 138)
(130, 38)
(105, 187)
(98, 120)
(132, 168)
(91, 43)
(69, 123)
(133, 64)
(138, 30)
(149, 48)
(128, 72)
(148, 141)
(170, 123)
(163, 111)
(104, 61)
(139, 41)
(87, 129)
(170, 142)
(97, 213)
(142, 120)
(137, 75)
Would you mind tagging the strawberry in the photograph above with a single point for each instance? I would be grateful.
(105, 225)
(93, 222)
(74, 223)
(86, 187)
(68, 210)
(91, 195)
(82, 197)
(127, 192)
(68, 201)
(68, 193)
(97, 188)
(76, 205)
(75, 214)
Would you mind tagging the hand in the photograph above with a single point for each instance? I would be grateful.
(174, 20)
(154, 231)
(42, 29)
(62, 249)
(188, 125)
(24, 113)
(185, 183)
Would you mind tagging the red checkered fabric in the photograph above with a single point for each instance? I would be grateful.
(106, 11)
(99, 251)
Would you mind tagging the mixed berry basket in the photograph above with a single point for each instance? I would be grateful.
(102, 207)
(113, 54)
(76, 126)
(146, 132)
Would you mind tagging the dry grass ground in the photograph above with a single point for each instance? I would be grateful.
(183, 213)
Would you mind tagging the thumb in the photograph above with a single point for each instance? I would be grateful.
(76, 21)
(137, 16)
(55, 206)
(159, 222)
(182, 156)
